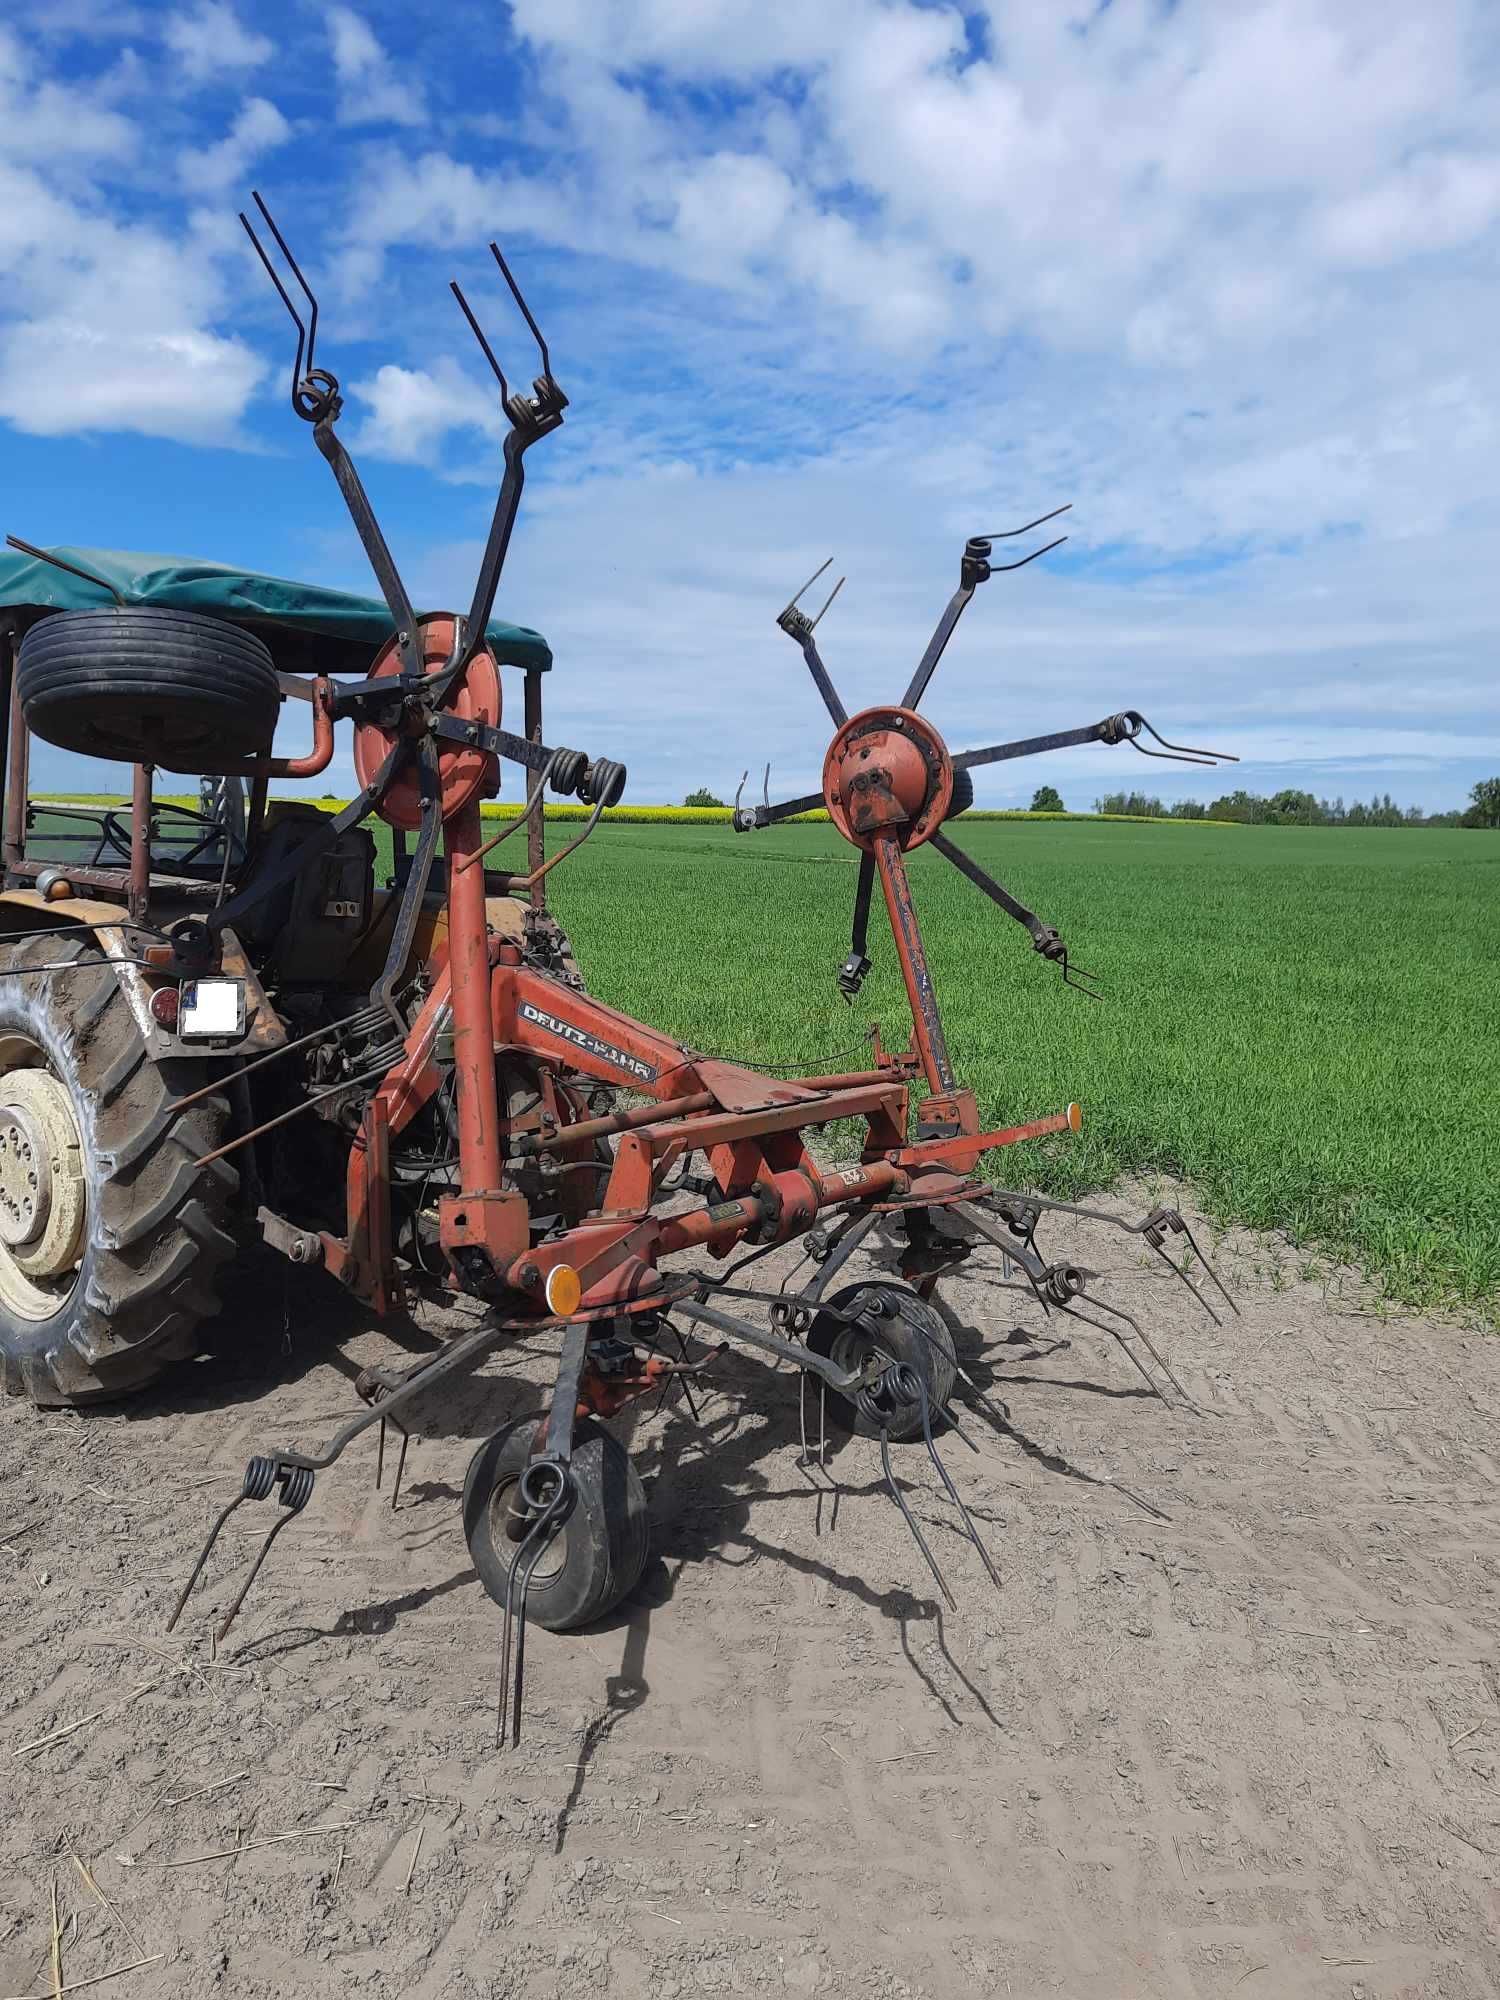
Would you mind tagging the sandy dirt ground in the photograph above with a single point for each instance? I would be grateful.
(1230, 1727)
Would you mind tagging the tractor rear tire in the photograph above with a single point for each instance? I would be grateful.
(597, 1556)
(110, 1235)
(149, 687)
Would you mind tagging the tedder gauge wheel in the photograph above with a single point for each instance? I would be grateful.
(889, 1320)
(595, 1559)
(110, 1236)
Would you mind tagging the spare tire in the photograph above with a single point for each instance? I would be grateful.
(143, 686)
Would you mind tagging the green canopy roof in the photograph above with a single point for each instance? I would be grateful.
(308, 629)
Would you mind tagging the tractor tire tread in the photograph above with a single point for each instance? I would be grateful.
(158, 1224)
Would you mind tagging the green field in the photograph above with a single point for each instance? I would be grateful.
(1303, 1022)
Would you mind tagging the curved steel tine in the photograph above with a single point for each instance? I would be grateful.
(942, 1472)
(1150, 1346)
(1186, 749)
(207, 1550)
(739, 788)
(517, 295)
(829, 599)
(910, 1519)
(528, 1555)
(284, 296)
(1192, 1239)
(1178, 1272)
(1009, 534)
(296, 271)
(1074, 976)
(1174, 756)
(999, 569)
(478, 332)
(791, 603)
(1124, 1345)
(765, 788)
(233, 1612)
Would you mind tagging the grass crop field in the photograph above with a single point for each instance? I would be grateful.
(1302, 1022)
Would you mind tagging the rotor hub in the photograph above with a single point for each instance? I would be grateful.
(464, 773)
(888, 773)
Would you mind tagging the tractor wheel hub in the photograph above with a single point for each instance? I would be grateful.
(25, 1176)
(43, 1193)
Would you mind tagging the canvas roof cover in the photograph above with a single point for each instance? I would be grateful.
(309, 629)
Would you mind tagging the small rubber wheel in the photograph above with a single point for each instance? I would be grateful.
(597, 1556)
(148, 686)
(894, 1323)
(963, 796)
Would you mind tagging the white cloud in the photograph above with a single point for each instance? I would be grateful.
(211, 41)
(370, 92)
(107, 324)
(411, 411)
(258, 129)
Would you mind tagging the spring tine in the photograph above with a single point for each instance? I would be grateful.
(942, 1472)
(1173, 756)
(828, 600)
(207, 1550)
(484, 347)
(400, 1464)
(1144, 1338)
(516, 294)
(528, 1555)
(950, 1416)
(296, 271)
(999, 569)
(233, 1612)
(1074, 976)
(1178, 1272)
(792, 602)
(1115, 1334)
(285, 297)
(1009, 534)
(739, 789)
(1187, 750)
(380, 1456)
(906, 1514)
(996, 1412)
(1187, 1232)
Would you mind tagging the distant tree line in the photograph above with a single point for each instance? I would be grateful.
(1288, 808)
(1293, 808)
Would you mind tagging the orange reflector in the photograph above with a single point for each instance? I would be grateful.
(564, 1290)
(1075, 1117)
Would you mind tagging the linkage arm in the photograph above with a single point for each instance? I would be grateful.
(1043, 937)
(392, 589)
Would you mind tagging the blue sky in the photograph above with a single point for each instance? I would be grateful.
(857, 280)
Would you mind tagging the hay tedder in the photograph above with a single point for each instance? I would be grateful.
(212, 1017)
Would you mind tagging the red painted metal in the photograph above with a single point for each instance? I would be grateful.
(467, 775)
(473, 1031)
(887, 770)
(927, 1023)
(140, 841)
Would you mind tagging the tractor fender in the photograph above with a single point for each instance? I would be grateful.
(24, 911)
